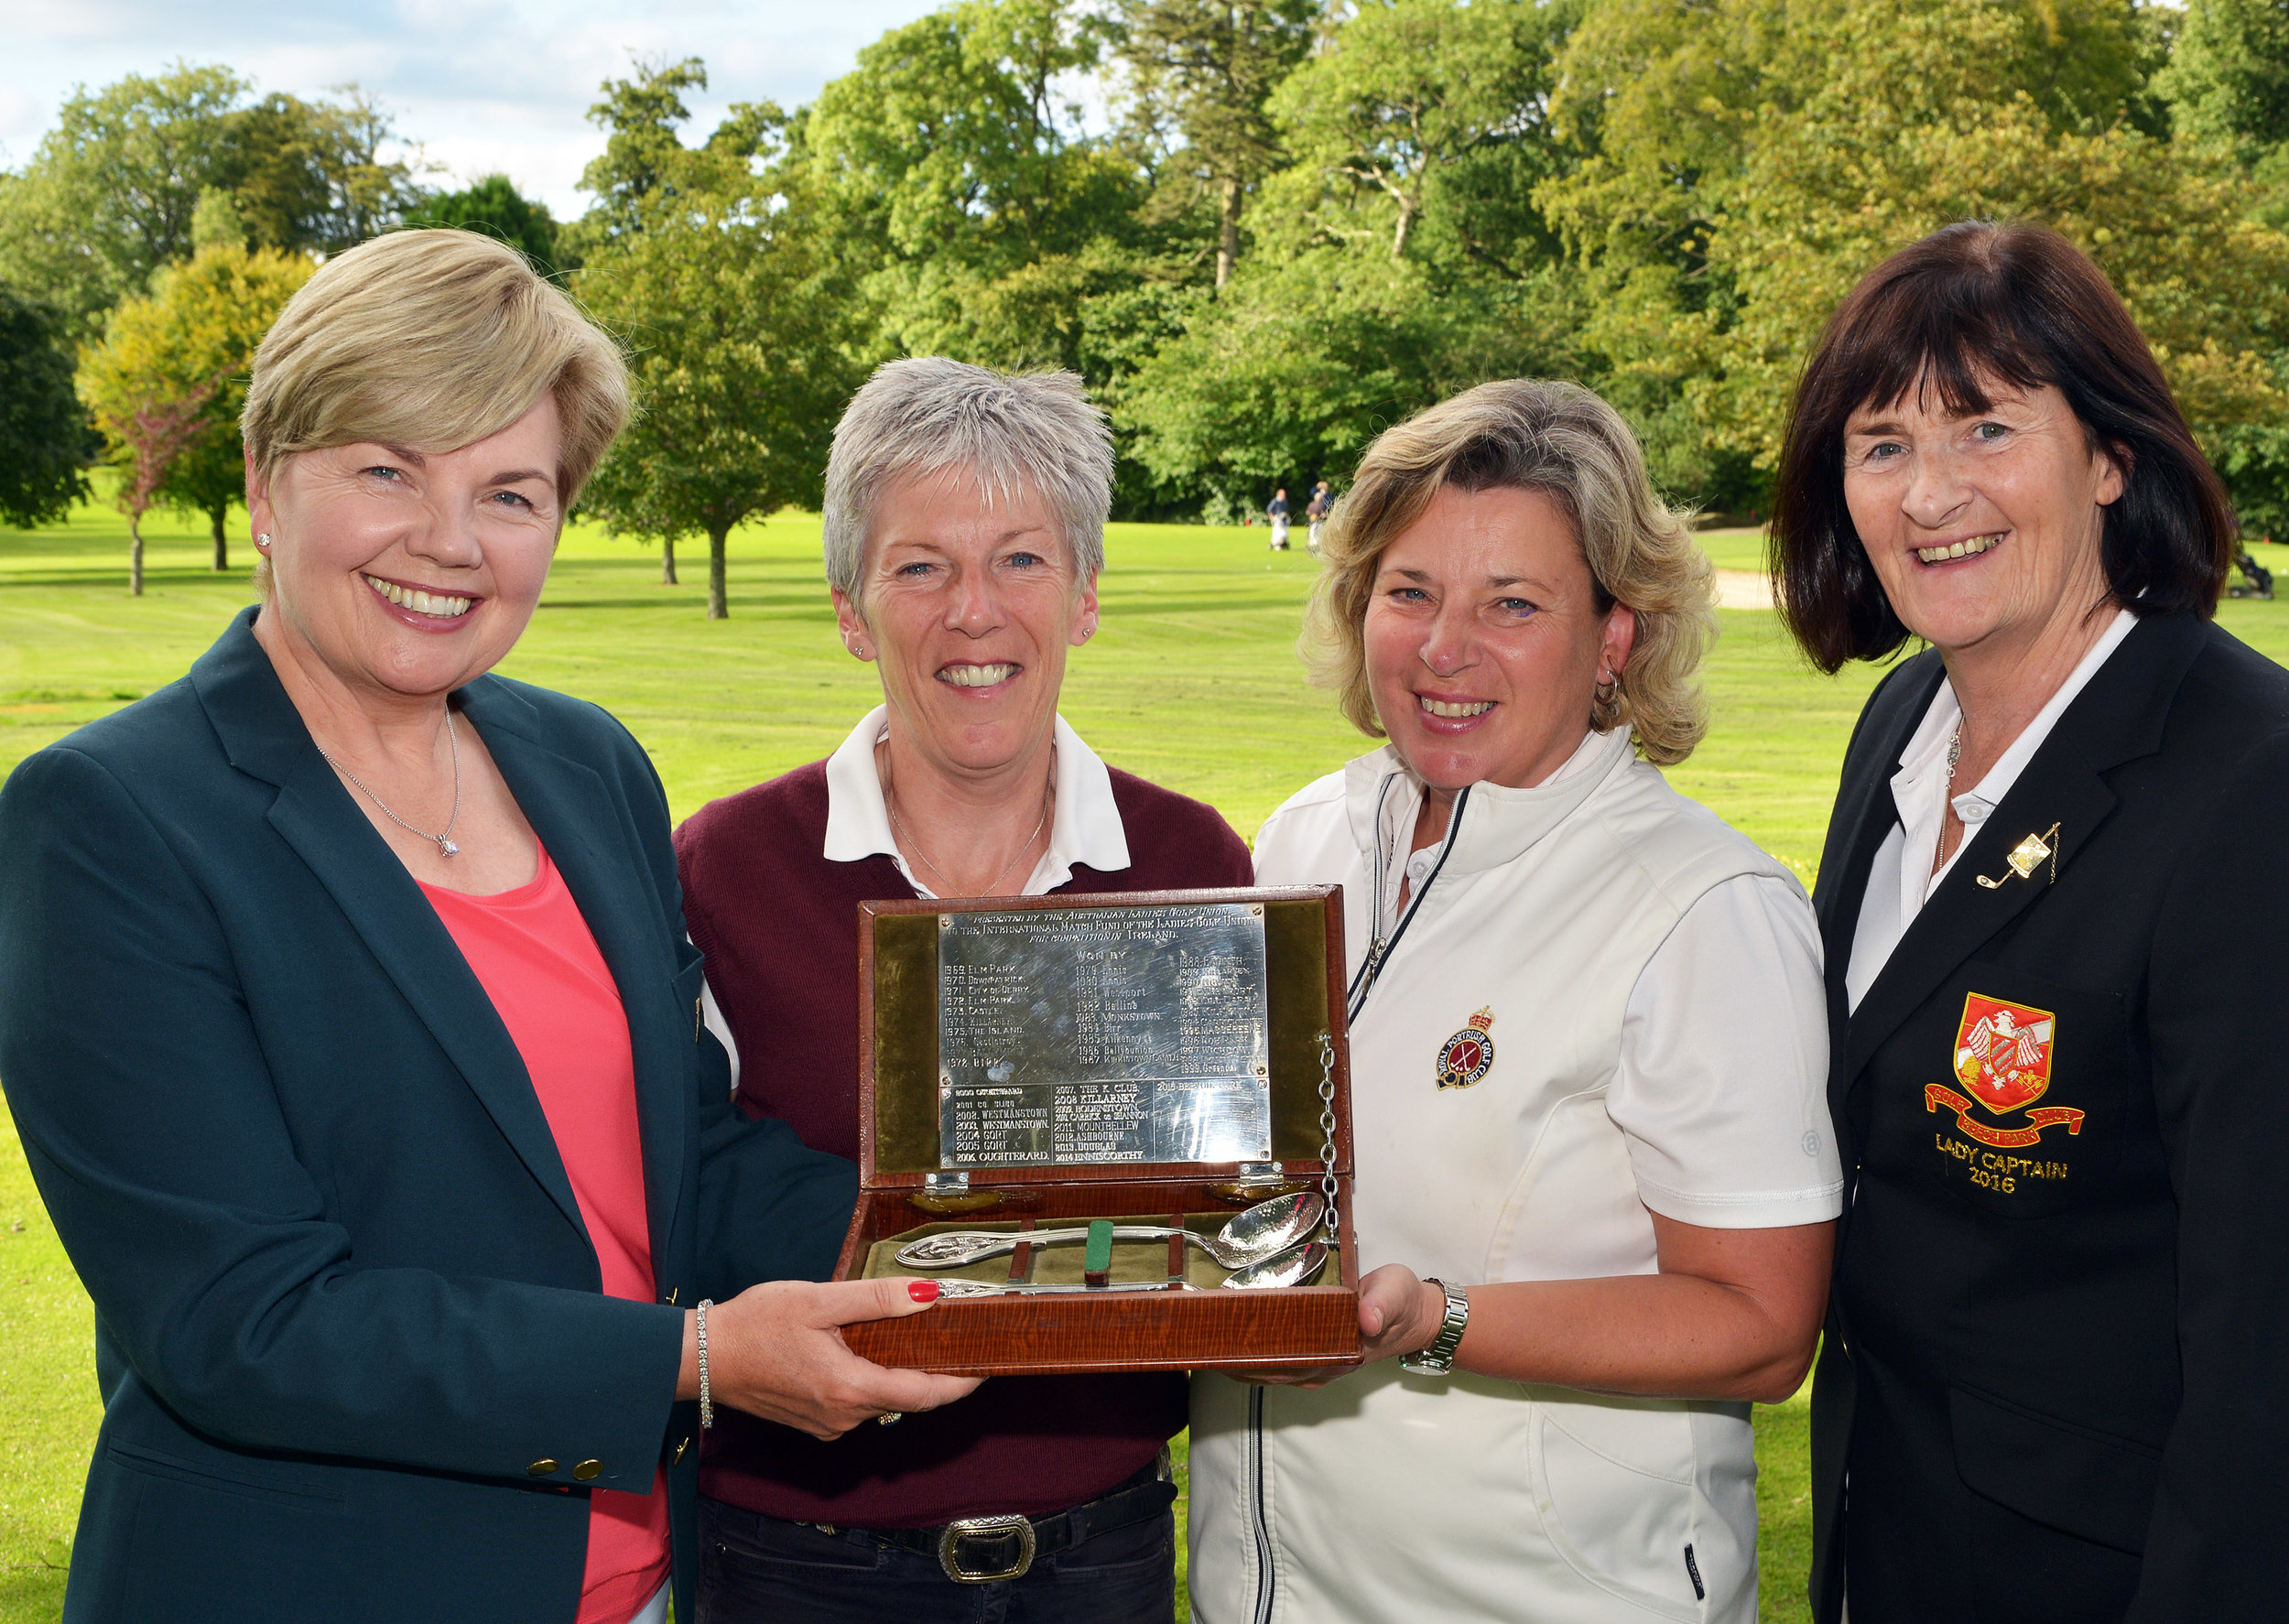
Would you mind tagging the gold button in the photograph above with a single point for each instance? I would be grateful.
(681, 1447)
(541, 1468)
(588, 1470)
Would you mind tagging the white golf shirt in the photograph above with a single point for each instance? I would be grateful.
(1643, 989)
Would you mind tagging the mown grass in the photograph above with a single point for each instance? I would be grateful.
(1193, 682)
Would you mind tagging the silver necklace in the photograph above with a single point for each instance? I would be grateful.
(1955, 752)
(445, 847)
(907, 842)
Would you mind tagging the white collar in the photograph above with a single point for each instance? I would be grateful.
(1085, 827)
(1499, 823)
(1922, 767)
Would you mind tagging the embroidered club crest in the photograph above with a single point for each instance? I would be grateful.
(2002, 1053)
(2002, 1058)
(1464, 1057)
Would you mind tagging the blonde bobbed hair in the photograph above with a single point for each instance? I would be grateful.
(432, 339)
(1525, 434)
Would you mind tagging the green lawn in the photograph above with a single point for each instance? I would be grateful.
(1193, 682)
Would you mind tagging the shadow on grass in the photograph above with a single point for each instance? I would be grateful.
(30, 1593)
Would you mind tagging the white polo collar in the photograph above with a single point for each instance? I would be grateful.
(1084, 827)
(1499, 823)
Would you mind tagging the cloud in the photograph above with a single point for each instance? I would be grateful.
(482, 85)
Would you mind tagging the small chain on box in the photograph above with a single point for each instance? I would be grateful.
(1327, 1130)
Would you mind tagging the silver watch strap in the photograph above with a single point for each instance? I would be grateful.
(1438, 1359)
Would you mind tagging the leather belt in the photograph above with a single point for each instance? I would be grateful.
(986, 1550)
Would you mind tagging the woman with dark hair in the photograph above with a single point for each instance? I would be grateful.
(2052, 1380)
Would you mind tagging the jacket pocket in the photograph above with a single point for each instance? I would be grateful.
(1614, 1482)
(2090, 1484)
(280, 1487)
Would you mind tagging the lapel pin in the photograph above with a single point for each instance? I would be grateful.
(2027, 856)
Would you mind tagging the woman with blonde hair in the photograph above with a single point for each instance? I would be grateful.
(1587, 1044)
(348, 1019)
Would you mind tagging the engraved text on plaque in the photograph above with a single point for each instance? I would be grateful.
(1103, 1034)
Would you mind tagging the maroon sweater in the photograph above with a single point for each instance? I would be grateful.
(779, 925)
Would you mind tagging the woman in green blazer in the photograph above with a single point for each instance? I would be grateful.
(361, 1352)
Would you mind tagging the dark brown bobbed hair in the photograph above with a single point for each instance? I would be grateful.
(1972, 305)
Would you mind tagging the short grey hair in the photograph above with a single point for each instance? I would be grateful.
(928, 414)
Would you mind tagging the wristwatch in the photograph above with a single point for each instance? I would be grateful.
(1439, 1356)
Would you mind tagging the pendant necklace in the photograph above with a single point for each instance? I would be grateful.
(907, 842)
(445, 847)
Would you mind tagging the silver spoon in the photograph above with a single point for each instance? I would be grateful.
(1252, 1236)
(1299, 1265)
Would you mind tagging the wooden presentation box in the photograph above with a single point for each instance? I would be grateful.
(998, 1135)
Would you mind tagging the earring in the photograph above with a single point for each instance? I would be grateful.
(1606, 685)
(262, 538)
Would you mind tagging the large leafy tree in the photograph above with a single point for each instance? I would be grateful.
(1925, 122)
(496, 207)
(168, 381)
(958, 171)
(740, 332)
(2229, 74)
(1419, 109)
(1205, 71)
(45, 440)
(112, 194)
(1744, 161)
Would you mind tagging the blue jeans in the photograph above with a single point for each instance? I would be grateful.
(758, 1570)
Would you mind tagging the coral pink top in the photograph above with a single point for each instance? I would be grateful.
(532, 951)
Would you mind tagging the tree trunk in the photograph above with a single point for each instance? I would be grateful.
(1406, 226)
(135, 554)
(218, 517)
(668, 561)
(719, 606)
(1226, 231)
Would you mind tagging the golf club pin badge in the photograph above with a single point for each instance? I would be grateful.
(1464, 1057)
(2027, 856)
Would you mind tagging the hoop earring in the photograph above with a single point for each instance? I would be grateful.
(1607, 685)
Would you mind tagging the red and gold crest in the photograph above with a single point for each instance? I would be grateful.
(2002, 1052)
(1464, 1057)
(2002, 1059)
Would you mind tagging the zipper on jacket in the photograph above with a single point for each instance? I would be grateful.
(1254, 1467)
(1379, 953)
(1259, 1524)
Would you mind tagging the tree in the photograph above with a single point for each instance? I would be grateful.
(1208, 68)
(1411, 96)
(44, 437)
(111, 194)
(2227, 76)
(741, 338)
(645, 162)
(1302, 362)
(168, 381)
(496, 207)
(956, 170)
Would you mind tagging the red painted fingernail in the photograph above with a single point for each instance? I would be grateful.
(922, 1290)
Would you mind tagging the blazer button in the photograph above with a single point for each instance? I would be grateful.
(681, 1444)
(588, 1470)
(541, 1468)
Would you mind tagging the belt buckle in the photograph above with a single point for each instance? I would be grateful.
(966, 1528)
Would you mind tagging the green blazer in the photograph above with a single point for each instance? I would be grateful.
(356, 1359)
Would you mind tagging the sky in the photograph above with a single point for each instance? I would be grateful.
(482, 85)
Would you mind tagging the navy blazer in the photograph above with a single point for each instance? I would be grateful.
(356, 1358)
(2055, 1377)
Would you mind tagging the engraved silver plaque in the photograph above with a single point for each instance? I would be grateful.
(1103, 1034)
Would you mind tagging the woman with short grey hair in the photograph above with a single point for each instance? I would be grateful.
(964, 532)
